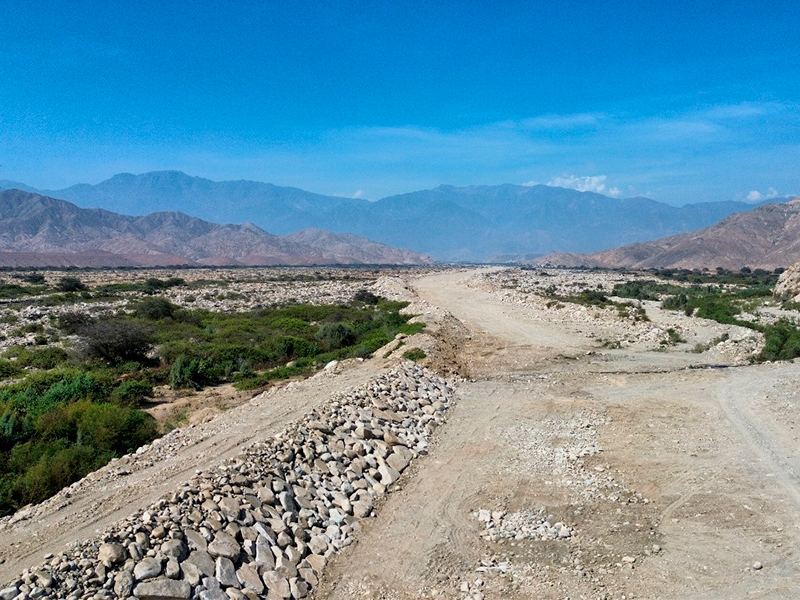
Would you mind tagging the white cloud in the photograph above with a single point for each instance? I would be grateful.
(743, 110)
(531, 183)
(756, 196)
(554, 121)
(356, 194)
(587, 183)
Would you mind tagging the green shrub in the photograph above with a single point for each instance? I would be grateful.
(335, 335)
(114, 341)
(782, 341)
(193, 373)
(291, 325)
(72, 322)
(9, 319)
(638, 290)
(414, 354)
(47, 358)
(70, 284)
(29, 328)
(677, 302)
(40, 358)
(253, 382)
(69, 442)
(365, 297)
(12, 290)
(9, 369)
(33, 278)
(155, 309)
(131, 392)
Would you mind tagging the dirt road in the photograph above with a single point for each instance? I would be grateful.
(678, 482)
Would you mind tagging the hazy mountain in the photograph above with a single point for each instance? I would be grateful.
(278, 209)
(767, 237)
(6, 184)
(65, 234)
(448, 222)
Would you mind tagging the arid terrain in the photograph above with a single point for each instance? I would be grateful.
(574, 452)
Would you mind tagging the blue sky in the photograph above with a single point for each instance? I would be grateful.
(679, 101)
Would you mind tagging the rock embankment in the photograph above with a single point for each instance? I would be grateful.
(265, 523)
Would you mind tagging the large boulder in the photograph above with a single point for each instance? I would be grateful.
(163, 589)
(788, 286)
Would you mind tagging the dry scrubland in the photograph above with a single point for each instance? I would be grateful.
(563, 435)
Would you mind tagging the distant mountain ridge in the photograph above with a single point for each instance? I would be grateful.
(469, 223)
(38, 229)
(766, 238)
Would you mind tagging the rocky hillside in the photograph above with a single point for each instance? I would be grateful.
(788, 286)
(472, 223)
(767, 238)
(39, 231)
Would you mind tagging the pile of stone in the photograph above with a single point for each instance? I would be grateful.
(265, 523)
(522, 525)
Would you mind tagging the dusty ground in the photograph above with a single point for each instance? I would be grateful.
(668, 479)
(689, 476)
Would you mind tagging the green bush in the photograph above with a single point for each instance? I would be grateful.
(114, 341)
(48, 358)
(335, 335)
(677, 302)
(12, 290)
(33, 278)
(365, 297)
(40, 358)
(29, 328)
(9, 369)
(131, 392)
(782, 341)
(70, 284)
(9, 319)
(638, 290)
(155, 309)
(72, 322)
(414, 354)
(252, 382)
(193, 373)
(67, 443)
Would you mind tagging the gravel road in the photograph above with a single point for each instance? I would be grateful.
(676, 481)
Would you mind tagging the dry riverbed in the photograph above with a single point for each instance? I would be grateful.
(580, 457)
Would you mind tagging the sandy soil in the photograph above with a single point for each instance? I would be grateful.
(689, 479)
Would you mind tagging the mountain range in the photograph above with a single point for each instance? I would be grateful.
(36, 230)
(766, 238)
(473, 223)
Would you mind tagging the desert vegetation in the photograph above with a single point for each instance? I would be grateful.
(723, 297)
(75, 388)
